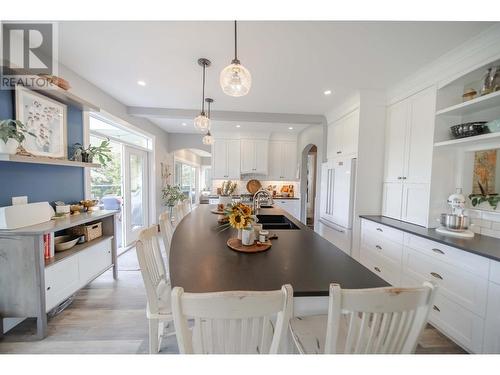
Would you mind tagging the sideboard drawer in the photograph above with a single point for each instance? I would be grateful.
(459, 258)
(61, 281)
(462, 287)
(382, 231)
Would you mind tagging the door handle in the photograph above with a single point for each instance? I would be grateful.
(437, 275)
(436, 308)
(400, 178)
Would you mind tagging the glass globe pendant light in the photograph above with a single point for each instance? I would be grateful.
(235, 79)
(208, 139)
(202, 122)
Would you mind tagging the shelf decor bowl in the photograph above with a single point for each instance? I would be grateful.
(63, 243)
(469, 129)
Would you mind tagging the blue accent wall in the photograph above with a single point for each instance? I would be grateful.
(41, 182)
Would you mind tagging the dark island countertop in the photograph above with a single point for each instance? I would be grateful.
(485, 246)
(200, 260)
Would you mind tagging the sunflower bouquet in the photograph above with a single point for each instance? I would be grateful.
(239, 215)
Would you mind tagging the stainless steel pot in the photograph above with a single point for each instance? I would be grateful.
(455, 222)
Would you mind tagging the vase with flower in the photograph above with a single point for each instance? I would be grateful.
(239, 217)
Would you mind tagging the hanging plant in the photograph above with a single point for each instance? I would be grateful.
(492, 199)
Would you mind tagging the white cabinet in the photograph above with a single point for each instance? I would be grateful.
(254, 156)
(408, 158)
(292, 206)
(282, 160)
(343, 136)
(492, 324)
(93, 261)
(226, 159)
(467, 304)
(61, 281)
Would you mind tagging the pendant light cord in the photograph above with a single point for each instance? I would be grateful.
(203, 93)
(235, 42)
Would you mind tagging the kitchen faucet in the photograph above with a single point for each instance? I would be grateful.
(256, 196)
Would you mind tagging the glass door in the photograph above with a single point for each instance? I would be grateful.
(135, 192)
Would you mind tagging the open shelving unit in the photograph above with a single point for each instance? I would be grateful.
(74, 250)
(49, 161)
(471, 143)
(475, 105)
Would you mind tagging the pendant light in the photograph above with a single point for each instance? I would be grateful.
(208, 139)
(235, 79)
(202, 122)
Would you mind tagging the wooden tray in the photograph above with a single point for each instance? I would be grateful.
(236, 245)
(214, 211)
(253, 186)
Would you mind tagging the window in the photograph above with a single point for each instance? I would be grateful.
(185, 177)
(103, 127)
(107, 181)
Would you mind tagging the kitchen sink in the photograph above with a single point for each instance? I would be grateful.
(276, 222)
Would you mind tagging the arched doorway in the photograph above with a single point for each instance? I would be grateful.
(309, 163)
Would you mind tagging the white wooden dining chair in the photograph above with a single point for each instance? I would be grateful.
(158, 290)
(366, 321)
(166, 232)
(238, 322)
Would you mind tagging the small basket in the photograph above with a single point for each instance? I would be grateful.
(91, 232)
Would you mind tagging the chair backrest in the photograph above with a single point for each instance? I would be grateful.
(152, 267)
(166, 231)
(236, 322)
(379, 320)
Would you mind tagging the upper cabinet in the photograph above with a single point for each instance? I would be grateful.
(254, 156)
(343, 136)
(408, 157)
(282, 160)
(226, 159)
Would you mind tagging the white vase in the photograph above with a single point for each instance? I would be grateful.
(247, 236)
(240, 234)
(10, 147)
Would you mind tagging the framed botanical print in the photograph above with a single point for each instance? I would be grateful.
(46, 118)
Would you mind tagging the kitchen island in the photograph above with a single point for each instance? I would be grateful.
(200, 261)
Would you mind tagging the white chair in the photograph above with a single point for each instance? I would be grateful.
(181, 209)
(158, 290)
(166, 231)
(237, 322)
(360, 321)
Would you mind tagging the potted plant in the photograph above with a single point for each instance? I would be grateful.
(239, 216)
(12, 134)
(101, 152)
(227, 190)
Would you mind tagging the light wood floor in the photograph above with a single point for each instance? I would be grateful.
(108, 316)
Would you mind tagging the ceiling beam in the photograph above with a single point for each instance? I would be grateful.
(177, 113)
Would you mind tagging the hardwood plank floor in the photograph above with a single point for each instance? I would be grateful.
(108, 317)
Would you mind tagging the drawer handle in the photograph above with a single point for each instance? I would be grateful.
(378, 247)
(437, 275)
(438, 251)
(377, 269)
(380, 229)
(338, 230)
(48, 288)
(339, 152)
(436, 308)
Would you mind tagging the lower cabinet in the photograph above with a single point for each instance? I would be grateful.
(67, 276)
(292, 206)
(338, 236)
(467, 304)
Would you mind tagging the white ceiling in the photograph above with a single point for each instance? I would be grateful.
(292, 63)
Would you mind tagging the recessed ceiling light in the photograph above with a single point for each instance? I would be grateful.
(327, 92)
(184, 124)
(238, 126)
(291, 128)
(141, 83)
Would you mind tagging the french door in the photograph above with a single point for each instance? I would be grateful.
(135, 175)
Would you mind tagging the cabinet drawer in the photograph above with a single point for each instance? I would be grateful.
(94, 260)
(456, 257)
(61, 281)
(382, 230)
(492, 328)
(381, 246)
(495, 271)
(464, 288)
(380, 267)
(338, 236)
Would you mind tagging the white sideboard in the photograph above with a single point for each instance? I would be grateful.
(467, 306)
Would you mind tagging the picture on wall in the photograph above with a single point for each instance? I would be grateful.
(44, 117)
(484, 178)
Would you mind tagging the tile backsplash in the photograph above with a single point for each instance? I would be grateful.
(241, 187)
(485, 222)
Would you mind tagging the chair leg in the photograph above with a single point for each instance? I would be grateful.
(153, 336)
